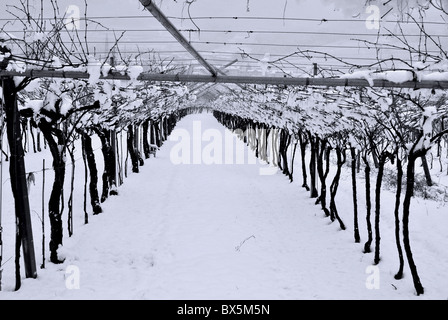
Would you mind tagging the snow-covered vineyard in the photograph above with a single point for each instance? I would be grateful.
(203, 156)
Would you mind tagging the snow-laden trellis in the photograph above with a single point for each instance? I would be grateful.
(301, 106)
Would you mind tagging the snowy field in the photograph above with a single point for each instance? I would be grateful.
(223, 232)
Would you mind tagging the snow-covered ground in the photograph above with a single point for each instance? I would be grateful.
(225, 232)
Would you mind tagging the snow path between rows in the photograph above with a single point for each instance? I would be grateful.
(210, 232)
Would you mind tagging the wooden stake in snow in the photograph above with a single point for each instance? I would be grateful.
(18, 176)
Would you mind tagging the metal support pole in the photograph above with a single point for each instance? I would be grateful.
(18, 176)
(312, 82)
(1, 184)
(155, 11)
(315, 69)
(221, 70)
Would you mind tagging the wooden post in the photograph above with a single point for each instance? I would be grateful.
(42, 266)
(18, 176)
(121, 158)
(199, 78)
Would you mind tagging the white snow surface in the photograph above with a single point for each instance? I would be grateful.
(399, 76)
(225, 232)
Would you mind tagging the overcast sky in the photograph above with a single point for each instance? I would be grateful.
(333, 37)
